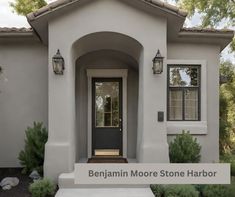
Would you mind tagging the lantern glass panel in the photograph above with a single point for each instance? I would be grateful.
(157, 66)
(58, 66)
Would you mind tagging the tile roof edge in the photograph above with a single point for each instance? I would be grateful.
(62, 3)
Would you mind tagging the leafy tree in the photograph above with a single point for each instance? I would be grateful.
(24, 7)
(227, 106)
(214, 12)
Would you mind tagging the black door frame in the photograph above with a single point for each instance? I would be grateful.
(107, 79)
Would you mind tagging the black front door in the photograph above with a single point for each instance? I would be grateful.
(107, 116)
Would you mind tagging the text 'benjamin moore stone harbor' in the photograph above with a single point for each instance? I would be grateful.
(152, 174)
(105, 174)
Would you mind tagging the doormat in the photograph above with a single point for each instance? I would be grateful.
(107, 160)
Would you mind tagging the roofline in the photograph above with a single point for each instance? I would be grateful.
(200, 32)
(63, 3)
(16, 32)
(28, 34)
(184, 32)
(167, 7)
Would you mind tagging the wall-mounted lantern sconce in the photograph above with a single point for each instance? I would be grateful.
(58, 63)
(158, 63)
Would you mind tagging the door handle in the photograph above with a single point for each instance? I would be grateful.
(120, 129)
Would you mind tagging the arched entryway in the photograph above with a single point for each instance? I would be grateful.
(106, 54)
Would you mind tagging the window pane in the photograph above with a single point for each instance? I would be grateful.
(107, 119)
(191, 104)
(186, 76)
(107, 104)
(175, 105)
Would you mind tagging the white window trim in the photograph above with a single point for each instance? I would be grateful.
(195, 127)
(108, 73)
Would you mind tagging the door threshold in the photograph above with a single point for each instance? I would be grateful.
(107, 160)
(107, 157)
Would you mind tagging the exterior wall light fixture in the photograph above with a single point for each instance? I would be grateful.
(158, 63)
(58, 63)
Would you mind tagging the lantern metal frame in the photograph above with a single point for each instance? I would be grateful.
(58, 63)
(158, 63)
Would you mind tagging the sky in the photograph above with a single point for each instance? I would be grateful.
(10, 19)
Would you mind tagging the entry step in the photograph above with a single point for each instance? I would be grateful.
(105, 192)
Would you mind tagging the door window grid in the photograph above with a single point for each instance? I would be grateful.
(107, 104)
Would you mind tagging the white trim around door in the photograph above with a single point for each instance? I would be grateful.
(107, 73)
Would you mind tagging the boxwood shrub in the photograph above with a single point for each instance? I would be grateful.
(185, 149)
(42, 188)
(174, 191)
(181, 191)
(216, 191)
(158, 190)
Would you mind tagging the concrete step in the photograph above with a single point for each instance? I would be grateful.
(66, 181)
(105, 192)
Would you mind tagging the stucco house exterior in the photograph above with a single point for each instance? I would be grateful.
(108, 101)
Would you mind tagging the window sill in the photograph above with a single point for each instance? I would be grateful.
(195, 128)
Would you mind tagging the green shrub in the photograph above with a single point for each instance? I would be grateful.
(184, 149)
(158, 190)
(233, 168)
(42, 188)
(181, 191)
(32, 157)
(216, 191)
(229, 158)
(199, 188)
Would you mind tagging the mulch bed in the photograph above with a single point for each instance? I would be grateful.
(20, 190)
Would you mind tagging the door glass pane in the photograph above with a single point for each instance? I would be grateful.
(191, 104)
(107, 104)
(175, 105)
(187, 76)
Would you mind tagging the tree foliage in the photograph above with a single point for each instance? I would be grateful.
(24, 7)
(214, 12)
(227, 106)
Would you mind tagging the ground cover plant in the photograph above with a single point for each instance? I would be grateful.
(42, 188)
(194, 190)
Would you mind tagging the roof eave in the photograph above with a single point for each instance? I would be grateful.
(168, 8)
(219, 37)
(226, 35)
(16, 34)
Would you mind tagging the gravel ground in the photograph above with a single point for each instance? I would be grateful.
(20, 190)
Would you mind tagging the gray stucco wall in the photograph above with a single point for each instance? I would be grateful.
(106, 59)
(23, 98)
(209, 53)
(91, 19)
